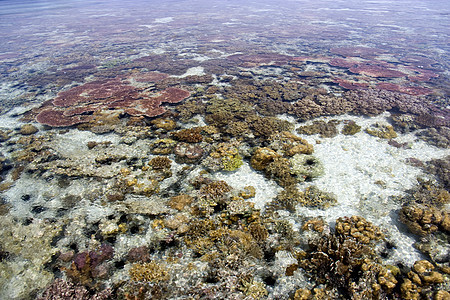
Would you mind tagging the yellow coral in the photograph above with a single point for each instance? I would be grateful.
(254, 289)
(149, 272)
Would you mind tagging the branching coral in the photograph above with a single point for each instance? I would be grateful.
(149, 272)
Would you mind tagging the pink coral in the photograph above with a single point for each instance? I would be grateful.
(56, 118)
(410, 90)
(419, 61)
(421, 75)
(150, 77)
(374, 101)
(350, 85)
(75, 105)
(343, 62)
(376, 70)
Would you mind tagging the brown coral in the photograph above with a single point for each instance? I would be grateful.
(191, 135)
(325, 129)
(262, 158)
(160, 162)
(149, 272)
(358, 228)
(424, 219)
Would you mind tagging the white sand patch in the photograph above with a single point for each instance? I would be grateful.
(74, 142)
(194, 71)
(364, 173)
(266, 190)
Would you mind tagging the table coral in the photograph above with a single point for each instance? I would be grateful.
(410, 90)
(74, 105)
(351, 85)
(357, 51)
(248, 60)
(376, 70)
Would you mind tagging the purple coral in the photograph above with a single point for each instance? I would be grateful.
(63, 290)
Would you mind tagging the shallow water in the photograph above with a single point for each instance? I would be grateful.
(217, 149)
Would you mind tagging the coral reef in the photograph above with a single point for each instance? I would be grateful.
(262, 157)
(290, 144)
(188, 153)
(191, 135)
(28, 129)
(29, 248)
(70, 107)
(325, 129)
(439, 137)
(149, 272)
(87, 266)
(61, 289)
(382, 131)
(358, 228)
(160, 162)
(290, 197)
(150, 195)
(224, 156)
(440, 167)
(306, 167)
(351, 128)
(424, 219)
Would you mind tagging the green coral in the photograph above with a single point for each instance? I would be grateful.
(225, 156)
(351, 128)
(232, 162)
(382, 131)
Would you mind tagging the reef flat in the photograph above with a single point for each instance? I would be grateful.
(224, 150)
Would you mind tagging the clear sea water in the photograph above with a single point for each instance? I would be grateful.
(91, 92)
